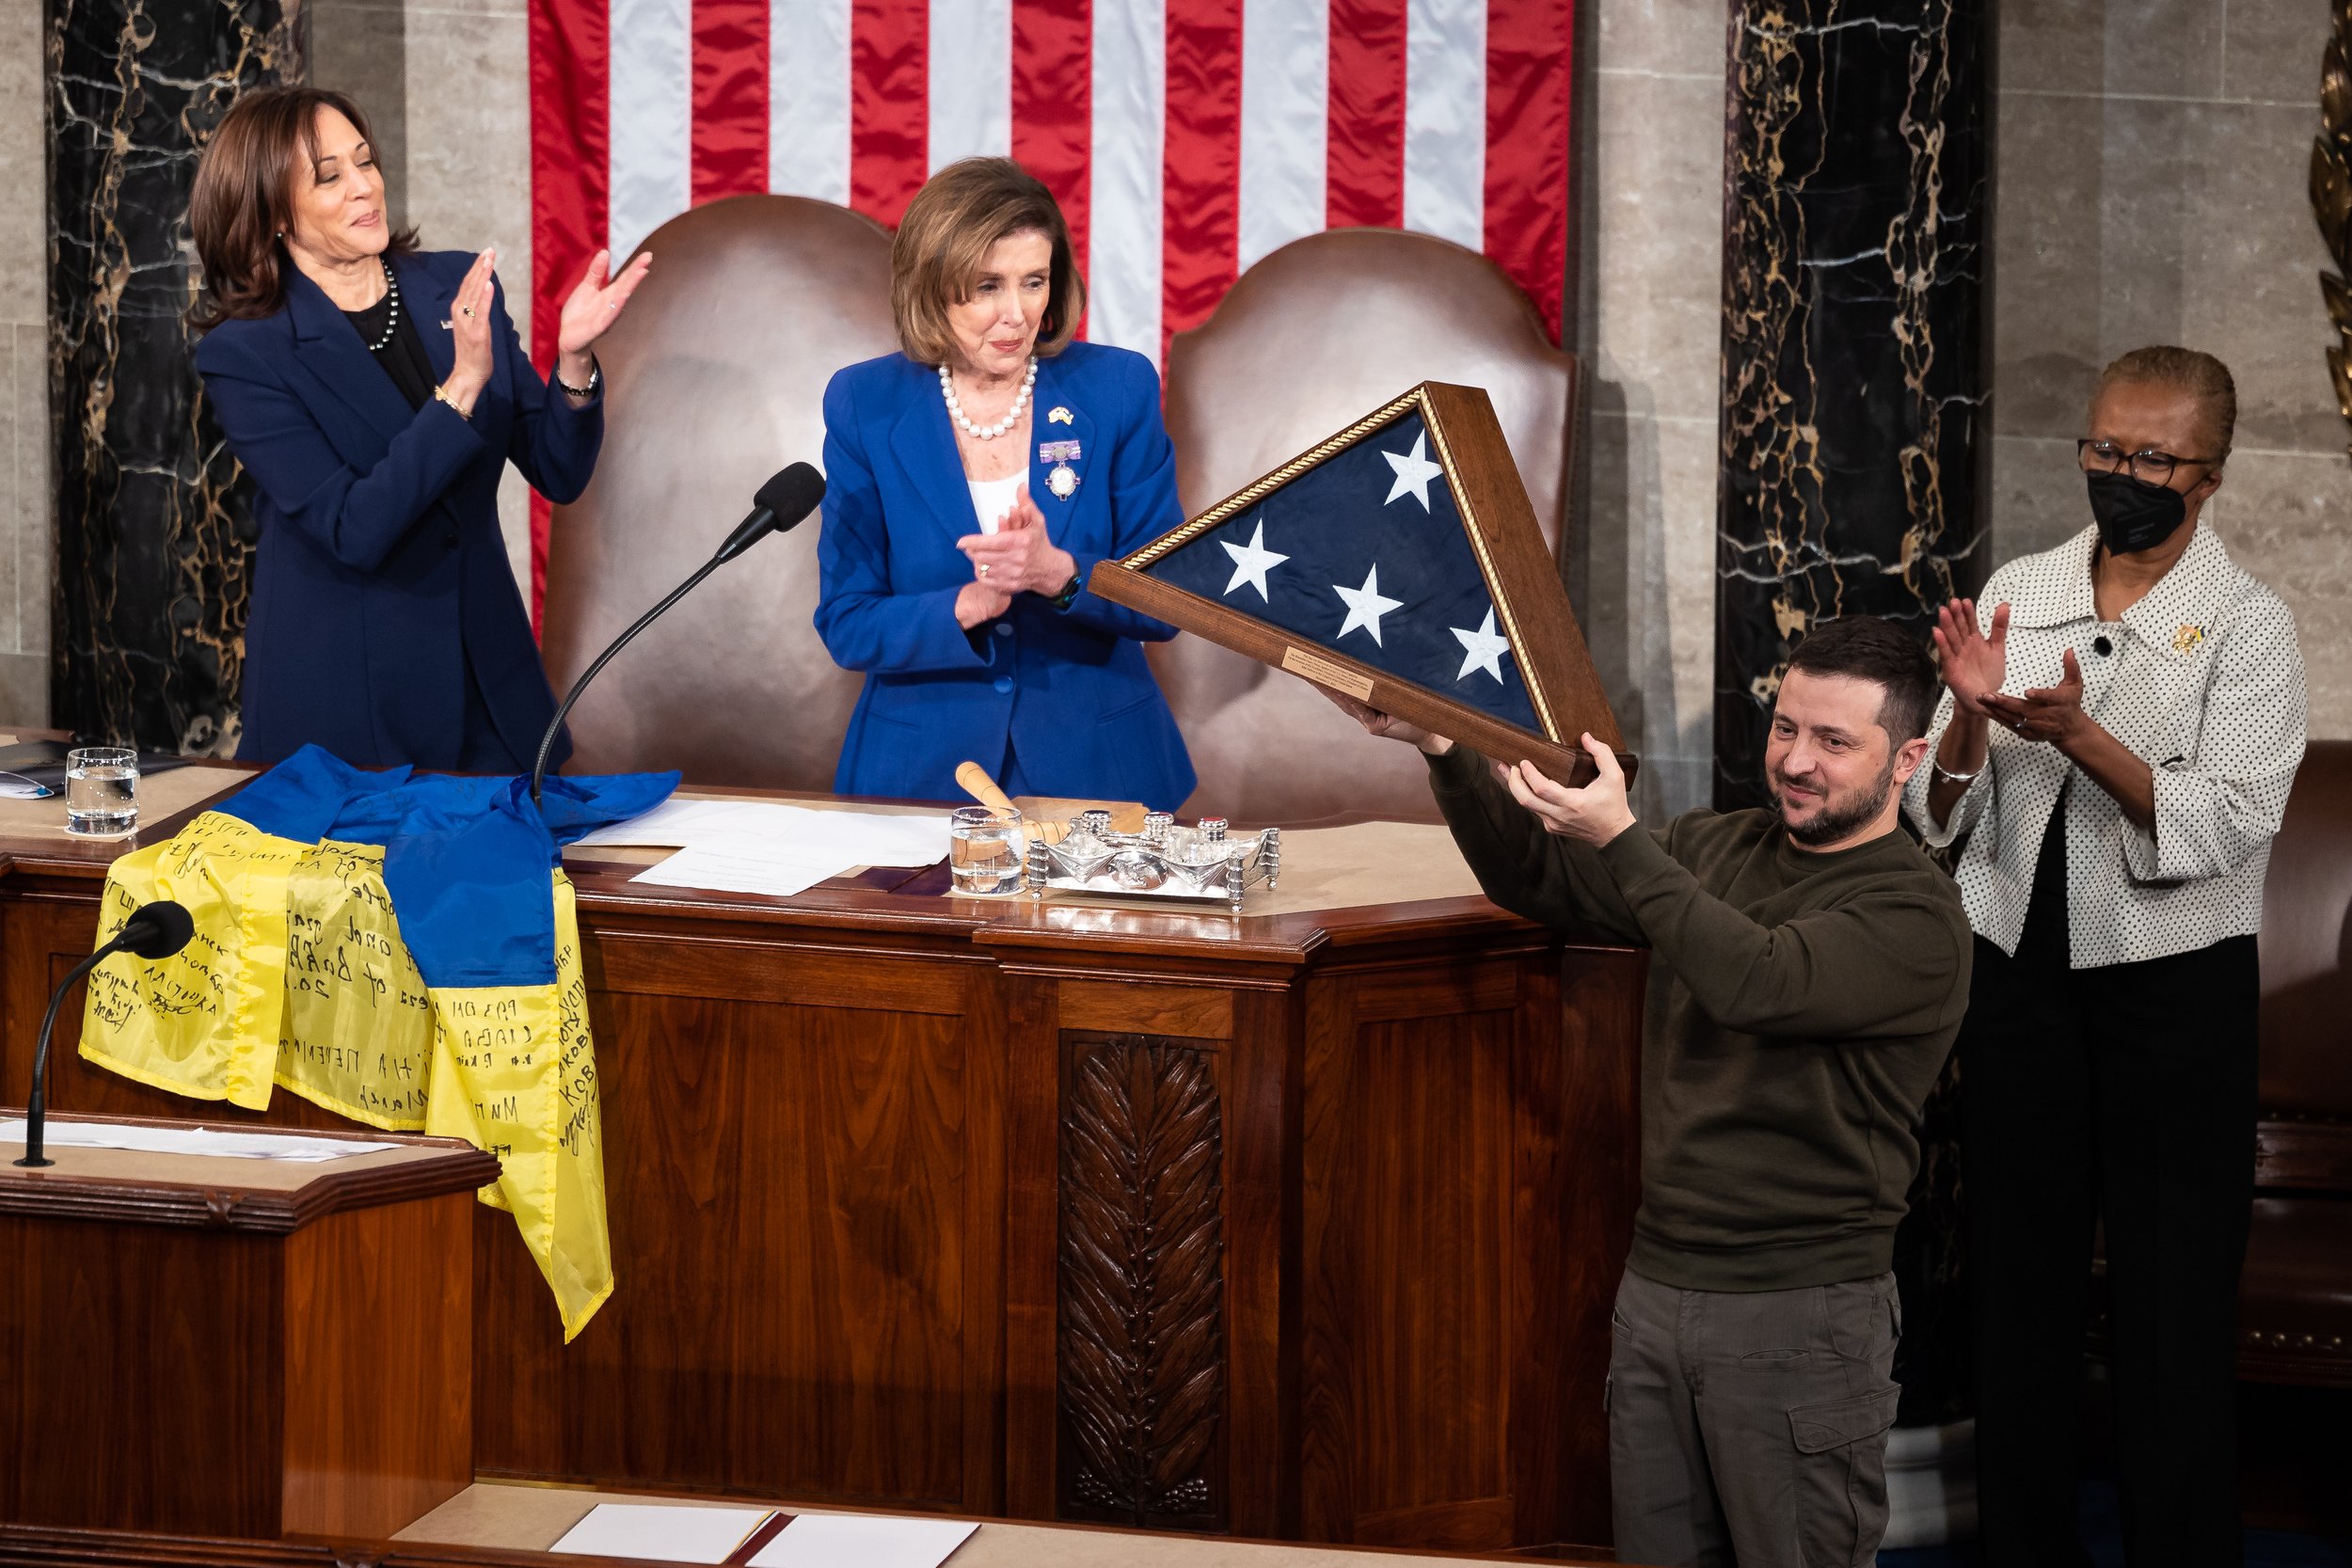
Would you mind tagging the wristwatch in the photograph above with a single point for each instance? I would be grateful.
(1068, 595)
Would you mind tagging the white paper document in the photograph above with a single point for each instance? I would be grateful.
(662, 1532)
(739, 871)
(859, 1541)
(840, 838)
(193, 1140)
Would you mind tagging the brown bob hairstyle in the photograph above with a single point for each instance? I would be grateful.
(244, 198)
(945, 237)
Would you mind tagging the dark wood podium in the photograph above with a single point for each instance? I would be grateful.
(233, 1346)
(1303, 1223)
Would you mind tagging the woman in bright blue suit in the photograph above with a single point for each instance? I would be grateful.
(971, 484)
(376, 393)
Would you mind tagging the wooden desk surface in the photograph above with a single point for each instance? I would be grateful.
(867, 1150)
(532, 1518)
(225, 1192)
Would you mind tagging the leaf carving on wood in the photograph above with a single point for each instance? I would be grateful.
(1141, 1338)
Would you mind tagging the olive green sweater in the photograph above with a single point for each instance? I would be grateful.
(1800, 1008)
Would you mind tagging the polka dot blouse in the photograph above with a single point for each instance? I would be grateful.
(2203, 680)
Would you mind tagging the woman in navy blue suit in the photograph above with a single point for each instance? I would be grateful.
(971, 484)
(375, 393)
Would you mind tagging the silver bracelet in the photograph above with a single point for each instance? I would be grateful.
(595, 375)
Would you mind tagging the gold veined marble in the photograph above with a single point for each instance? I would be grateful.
(153, 575)
(1852, 382)
(2331, 193)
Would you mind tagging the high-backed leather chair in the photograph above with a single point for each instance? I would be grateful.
(1311, 339)
(2295, 1299)
(715, 379)
(2295, 1306)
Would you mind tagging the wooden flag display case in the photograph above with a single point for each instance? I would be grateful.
(1469, 634)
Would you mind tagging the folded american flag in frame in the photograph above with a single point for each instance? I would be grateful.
(1398, 563)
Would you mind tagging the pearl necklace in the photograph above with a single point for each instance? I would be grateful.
(986, 432)
(391, 284)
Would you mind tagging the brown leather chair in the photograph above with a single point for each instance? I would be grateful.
(1309, 340)
(2295, 1306)
(2295, 1299)
(716, 378)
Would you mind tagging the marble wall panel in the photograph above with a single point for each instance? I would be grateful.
(152, 576)
(2160, 197)
(17, 498)
(360, 48)
(469, 117)
(31, 528)
(2283, 515)
(2150, 48)
(1853, 261)
(1651, 259)
(25, 528)
(2271, 49)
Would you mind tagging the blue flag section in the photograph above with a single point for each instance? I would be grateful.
(466, 859)
(1365, 554)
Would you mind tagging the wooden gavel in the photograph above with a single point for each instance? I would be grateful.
(981, 787)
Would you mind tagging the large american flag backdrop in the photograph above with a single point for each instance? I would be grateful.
(1184, 138)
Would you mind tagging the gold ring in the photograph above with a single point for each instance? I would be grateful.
(466, 310)
(983, 571)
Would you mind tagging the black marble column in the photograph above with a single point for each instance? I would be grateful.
(1854, 214)
(152, 574)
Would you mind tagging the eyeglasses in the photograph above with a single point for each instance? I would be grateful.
(2148, 464)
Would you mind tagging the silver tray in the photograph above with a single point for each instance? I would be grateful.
(1202, 864)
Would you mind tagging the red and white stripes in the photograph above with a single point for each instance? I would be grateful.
(1184, 138)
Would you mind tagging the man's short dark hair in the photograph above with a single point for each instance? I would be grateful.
(1867, 648)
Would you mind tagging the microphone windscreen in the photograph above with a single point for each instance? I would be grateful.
(791, 494)
(157, 930)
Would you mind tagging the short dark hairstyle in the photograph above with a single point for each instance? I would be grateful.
(1868, 648)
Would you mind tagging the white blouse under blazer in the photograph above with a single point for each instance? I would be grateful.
(2203, 682)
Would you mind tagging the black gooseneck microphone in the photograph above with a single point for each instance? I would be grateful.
(778, 508)
(154, 931)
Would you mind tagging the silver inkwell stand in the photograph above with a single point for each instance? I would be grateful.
(1196, 864)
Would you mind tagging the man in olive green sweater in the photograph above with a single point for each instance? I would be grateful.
(1809, 968)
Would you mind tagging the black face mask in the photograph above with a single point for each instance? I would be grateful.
(2134, 515)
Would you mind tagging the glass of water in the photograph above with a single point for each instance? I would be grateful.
(985, 846)
(102, 791)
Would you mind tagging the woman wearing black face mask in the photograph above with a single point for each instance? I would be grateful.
(2119, 812)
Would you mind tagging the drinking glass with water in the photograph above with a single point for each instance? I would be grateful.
(102, 791)
(985, 848)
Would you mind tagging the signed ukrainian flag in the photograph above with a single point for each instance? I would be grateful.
(399, 949)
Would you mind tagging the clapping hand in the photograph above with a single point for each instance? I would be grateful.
(2051, 713)
(1594, 814)
(1974, 663)
(596, 304)
(470, 334)
(1019, 558)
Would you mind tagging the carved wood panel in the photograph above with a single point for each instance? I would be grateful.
(1141, 1338)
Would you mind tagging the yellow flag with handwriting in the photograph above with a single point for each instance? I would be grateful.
(475, 1027)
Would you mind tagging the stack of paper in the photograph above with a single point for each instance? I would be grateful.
(859, 1541)
(662, 1532)
(194, 1140)
(766, 847)
(668, 1532)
